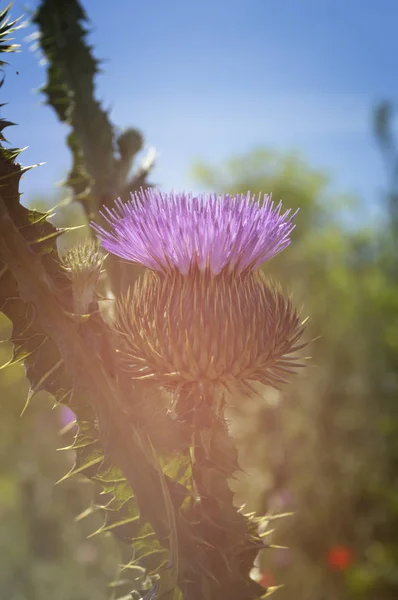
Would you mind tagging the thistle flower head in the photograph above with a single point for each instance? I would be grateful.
(203, 314)
(177, 230)
(209, 329)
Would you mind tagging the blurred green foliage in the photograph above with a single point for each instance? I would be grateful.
(45, 554)
(327, 447)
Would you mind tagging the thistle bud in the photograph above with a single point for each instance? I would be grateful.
(83, 264)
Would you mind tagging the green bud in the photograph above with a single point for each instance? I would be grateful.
(83, 264)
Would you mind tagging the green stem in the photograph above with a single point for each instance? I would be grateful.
(230, 542)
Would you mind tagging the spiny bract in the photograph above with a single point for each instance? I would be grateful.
(205, 328)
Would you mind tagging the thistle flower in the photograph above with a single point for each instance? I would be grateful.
(165, 231)
(83, 264)
(203, 313)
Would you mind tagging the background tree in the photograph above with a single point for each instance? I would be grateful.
(322, 448)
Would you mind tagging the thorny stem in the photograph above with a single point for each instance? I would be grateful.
(35, 287)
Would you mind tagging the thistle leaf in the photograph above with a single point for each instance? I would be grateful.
(7, 28)
(36, 295)
(70, 91)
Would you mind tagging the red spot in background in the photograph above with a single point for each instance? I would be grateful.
(339, 557)
(267, 579)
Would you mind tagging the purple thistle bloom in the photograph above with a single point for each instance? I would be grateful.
(66, 415)
(165, 231)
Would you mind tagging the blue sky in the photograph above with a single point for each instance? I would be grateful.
(206, 80)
